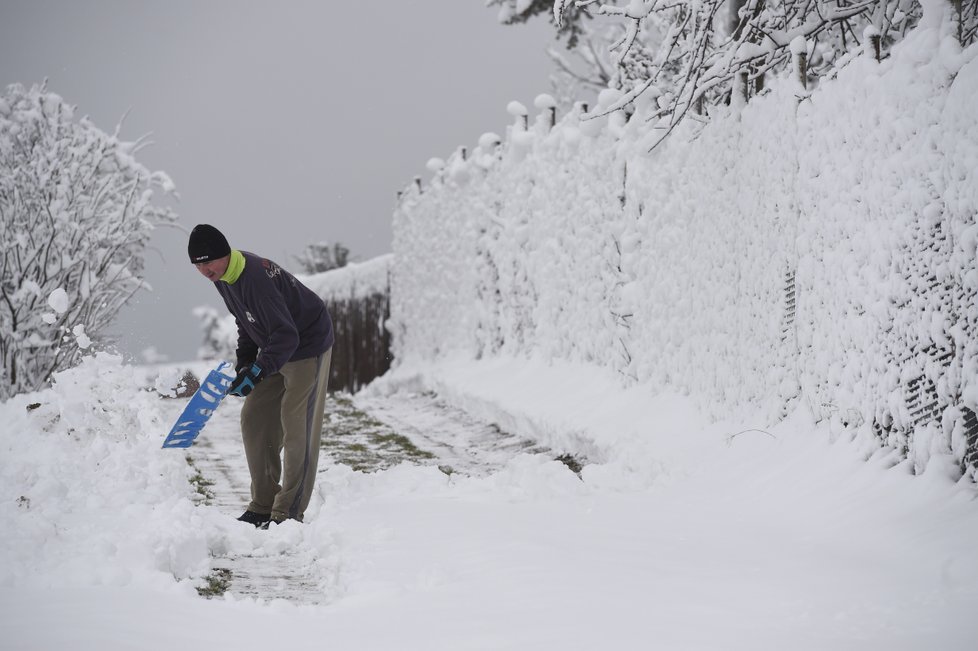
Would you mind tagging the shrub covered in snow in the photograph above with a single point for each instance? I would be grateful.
(76, 213)
(807, 248)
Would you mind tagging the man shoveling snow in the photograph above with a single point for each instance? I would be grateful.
(285, 341)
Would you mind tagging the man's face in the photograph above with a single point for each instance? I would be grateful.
(214, 269)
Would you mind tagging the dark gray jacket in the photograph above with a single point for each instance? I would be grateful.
(279, 319)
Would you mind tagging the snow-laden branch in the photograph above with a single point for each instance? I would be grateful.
(76, 212)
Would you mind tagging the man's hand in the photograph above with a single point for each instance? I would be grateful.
(245, 380)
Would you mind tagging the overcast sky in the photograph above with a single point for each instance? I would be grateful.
(281, 123)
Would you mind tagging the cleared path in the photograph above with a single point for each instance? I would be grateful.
(369, 435)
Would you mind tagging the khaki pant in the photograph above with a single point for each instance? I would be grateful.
(285, 412)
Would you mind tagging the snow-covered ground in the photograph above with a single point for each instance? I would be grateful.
(680, 533)
(567, 292)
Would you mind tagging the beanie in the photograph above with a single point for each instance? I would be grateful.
(206, 244)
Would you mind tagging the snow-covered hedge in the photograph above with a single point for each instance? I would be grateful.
(815, 248)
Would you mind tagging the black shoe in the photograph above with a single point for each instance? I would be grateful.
(257, 519)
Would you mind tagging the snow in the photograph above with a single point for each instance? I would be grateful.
(792, 253)
(799, 45)
(356, 279)
(689, 533)
(83, 340)
(624, 309)
(58, 300)
(544, 101)
(516, 109)
(489, 140)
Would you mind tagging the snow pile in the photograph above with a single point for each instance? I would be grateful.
(816, 251)
(89, 498)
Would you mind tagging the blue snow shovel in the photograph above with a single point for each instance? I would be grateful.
(202, 404)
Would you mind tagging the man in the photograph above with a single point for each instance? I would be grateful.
(285, 339)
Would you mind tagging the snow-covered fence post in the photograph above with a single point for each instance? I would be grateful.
(519, 111)
(874, 41)
(546, 104)
(739, 90)
(436, 166)
(799, 61)
(489, 147)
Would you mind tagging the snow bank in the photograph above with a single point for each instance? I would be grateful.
(817, 252)
(89, 497)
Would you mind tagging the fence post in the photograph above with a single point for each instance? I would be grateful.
(547, 103)
(875, 40)
(799, 60)
(517, 110)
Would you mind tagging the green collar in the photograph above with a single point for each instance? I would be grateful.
(235, 267)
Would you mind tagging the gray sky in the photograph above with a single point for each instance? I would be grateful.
(281, 123)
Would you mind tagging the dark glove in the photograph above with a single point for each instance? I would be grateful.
(245, 380)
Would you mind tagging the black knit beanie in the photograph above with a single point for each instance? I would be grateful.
(206, 244)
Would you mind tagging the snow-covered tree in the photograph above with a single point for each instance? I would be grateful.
(691, 55)
(76, 213)
(583, 65)
(321, 256)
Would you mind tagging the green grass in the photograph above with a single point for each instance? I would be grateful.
(201, 484)
(215, 584)
(352, 438)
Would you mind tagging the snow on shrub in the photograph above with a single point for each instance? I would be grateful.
(76, 214)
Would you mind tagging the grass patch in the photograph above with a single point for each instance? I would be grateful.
(202, 485)
(355, 439)
(215, 584)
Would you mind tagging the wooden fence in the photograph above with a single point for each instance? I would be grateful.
(362, 350)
